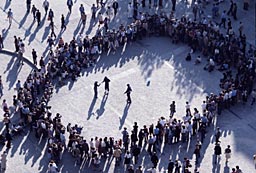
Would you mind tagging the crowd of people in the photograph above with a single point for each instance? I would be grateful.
(226, 52)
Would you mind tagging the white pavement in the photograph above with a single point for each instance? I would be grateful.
(158, 74)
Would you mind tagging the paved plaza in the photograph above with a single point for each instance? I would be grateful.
(158, 74)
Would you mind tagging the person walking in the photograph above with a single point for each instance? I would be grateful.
(34, 56)
(217, 153)
(63, 25)
(227, 153)
(70, 5)
(95, 88)
(46, 6)
(128, 93)
(106, 81)
(170, 166)
(10, 16)
(52, 29)
(50, 16)
(115, 7)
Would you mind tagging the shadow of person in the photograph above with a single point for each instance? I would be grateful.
(101, 110)
(7, 4)
(23, 20)
(90, 113)
(125, 113)
(5, 32)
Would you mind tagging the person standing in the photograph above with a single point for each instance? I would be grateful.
(234, 11)
(95, 88)
(34, 56)
(46, 6)
(8, 139)
(38, 17)
(130, 10)
(217, 135)
(81, 9)
(70, 5)
(197, 153)
(94, 10)
(230, 7)
(246, 4)
(253, 96)
(223, 19)
(63, 25)
(177, 166)
(217, 152)
(16, 44)
(33, 11)
(3, 161)
(172, 109)
(28, 2)
(227, 153)
(1, 87)
(1, 42)
(254, 160)
(10, 16)
(128, 93)
(106, 81)
(135, 153)
(154, 160)
(115, 7)
(170, 166)
(173, 5)
(240, 29)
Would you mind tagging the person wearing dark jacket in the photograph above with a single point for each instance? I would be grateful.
(115, 7)
(135, 153)
(154, 160)
(217, 152)
(170, 166)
